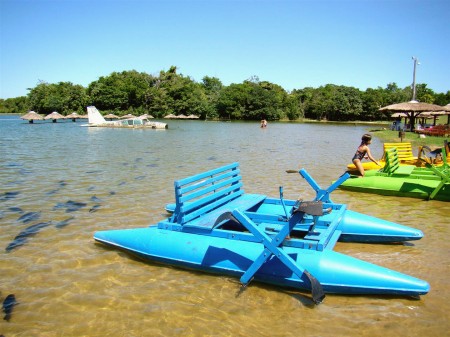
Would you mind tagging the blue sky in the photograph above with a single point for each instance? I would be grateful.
(296, 44)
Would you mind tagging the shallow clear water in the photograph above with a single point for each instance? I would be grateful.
(67, 285)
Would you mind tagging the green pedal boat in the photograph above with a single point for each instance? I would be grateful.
(429, 182)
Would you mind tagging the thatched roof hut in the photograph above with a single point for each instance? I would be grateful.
(144, 116)
(447, 108)
(74, 116)
(111, 116)
(32, 116)
(54, 116)
(436, 114)
(413, 106)
(411, 109)
(128, 116)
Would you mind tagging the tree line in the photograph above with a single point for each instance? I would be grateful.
(172, 93)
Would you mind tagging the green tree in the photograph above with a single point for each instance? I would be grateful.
(373, 100)
(254, 100)
(424, 94)
(231, 102)
(182, 94)
(212, 87)
(320, 103)
(303, 98)
(442, 99)
(157, 101)
(332, 102)
(17, 105)
(347, 104)
(279, 106)
(396, 95)
(73, 98)
(173, 93)
(63, 97)
(292, 108)
(121, 92)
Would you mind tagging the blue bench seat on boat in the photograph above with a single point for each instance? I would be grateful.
(202, 198)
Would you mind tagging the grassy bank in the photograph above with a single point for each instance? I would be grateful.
(381, 130)
(388, 136)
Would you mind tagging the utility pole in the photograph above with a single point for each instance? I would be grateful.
(416, 62)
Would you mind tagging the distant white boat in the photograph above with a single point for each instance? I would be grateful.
(95, 119)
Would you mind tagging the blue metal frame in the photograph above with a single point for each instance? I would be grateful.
(323, 194)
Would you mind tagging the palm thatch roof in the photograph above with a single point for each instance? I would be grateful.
(411, 109)
(435, 113)
(111, 116)
(32, 116)
(146, 116)
(181, 116)
(73, 115)
(411, 106)
(54, 116)
(128, 116)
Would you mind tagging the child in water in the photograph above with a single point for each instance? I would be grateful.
(363, 151)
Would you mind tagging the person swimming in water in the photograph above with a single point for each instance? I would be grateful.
(363, 151)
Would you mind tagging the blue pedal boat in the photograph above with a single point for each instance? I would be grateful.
(216, 227)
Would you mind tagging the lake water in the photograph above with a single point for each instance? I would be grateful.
(69, 181)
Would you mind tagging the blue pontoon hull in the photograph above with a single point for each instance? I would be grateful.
(338, 273)
(354, 226)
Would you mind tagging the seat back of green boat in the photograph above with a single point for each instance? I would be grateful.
(392, 165)
(202, 198)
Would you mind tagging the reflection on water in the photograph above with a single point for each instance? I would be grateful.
(78, 180)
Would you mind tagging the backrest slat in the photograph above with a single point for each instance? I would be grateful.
(210, 187)
(204, 192)
(392, 161)
(207, 198)
(186, 188)
(206, 174)
(210, 206)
